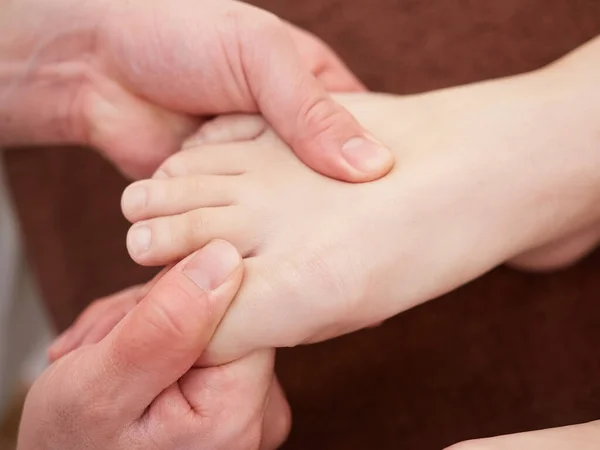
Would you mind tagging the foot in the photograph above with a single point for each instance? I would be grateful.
(560, 254)
(482, 178)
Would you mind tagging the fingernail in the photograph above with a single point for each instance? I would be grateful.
(366, 154)
(213, 265)
(160, 174)
(139, 239)
(135, 198)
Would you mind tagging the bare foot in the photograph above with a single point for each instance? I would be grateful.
(560, 254)
(483, 176)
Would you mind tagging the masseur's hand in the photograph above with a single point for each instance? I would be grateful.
(133, 77)
(136, 388)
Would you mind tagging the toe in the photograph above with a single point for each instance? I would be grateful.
(168, 196)
(226, 129)
(167, 239)
(220, 159)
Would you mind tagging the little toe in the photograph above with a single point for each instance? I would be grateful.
(168, 196)
(167, 239)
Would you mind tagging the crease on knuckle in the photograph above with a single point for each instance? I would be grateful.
(321, 116)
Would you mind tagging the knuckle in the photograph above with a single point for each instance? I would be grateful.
(169, 322)
(321, 115)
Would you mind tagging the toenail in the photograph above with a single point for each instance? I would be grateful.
(366, 154)
(139, 240)
(135, 198)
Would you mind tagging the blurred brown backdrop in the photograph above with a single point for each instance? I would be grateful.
(509, 352)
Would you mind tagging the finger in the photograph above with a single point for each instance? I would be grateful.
(168, 330)
(110, 319)
(578, 437)
(105, 324)
(72, 337)
(277, 420)
(237, 391)
(248, 378)
(324, 63)
(150, 285)
(226, 402)
(323, 134)
(134, 134)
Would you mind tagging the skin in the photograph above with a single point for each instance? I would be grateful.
(525, 203)
(133, 78)
(466, 154)
(93, 100)
(137, 387)
(108, 74)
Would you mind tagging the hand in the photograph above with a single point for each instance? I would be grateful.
(132, 77)
(136, 388)
(577, 437)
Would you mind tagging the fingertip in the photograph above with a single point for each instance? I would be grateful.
(358, 160)
(370, 159)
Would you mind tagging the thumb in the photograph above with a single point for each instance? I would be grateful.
(323, 134)
(162, 337)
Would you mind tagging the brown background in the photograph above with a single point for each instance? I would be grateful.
(509, 352)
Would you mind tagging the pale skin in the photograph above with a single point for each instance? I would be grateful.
(136, 388)
(487, 157)
(511, 164)
(108, 74)
(133, 78)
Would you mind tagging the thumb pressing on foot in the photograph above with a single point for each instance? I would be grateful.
(323, 134)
